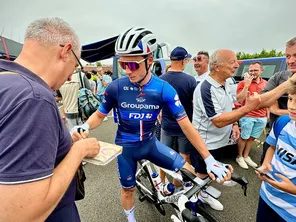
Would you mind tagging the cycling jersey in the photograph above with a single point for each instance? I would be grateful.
(137, 107)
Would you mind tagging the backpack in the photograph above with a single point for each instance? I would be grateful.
(280, 124)
(88, 102)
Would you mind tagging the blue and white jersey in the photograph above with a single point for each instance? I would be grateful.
(137, 107)
(283, 162)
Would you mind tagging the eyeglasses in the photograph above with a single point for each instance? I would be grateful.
(132, 65)
(197, 58)
(76, 57)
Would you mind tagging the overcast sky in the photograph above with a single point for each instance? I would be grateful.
(240, 25)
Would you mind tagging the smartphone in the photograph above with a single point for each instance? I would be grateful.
(263, 174)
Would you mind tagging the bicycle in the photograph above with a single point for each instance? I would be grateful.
(179, 200)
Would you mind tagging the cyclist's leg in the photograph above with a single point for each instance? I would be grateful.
(167, 158)
(127, 166)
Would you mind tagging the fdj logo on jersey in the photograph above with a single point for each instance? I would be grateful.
(140, 115)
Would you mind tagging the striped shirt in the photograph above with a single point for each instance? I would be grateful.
(283, 162)
(210, 100)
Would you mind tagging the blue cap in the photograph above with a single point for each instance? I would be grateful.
(179, 53)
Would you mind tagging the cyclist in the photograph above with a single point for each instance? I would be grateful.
(137, 100)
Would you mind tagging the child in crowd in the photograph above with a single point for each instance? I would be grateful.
(277, 200)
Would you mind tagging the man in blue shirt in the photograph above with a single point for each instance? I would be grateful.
(185, 85)
(138, 99)
(38, 157)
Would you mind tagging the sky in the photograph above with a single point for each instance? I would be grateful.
(247, 26)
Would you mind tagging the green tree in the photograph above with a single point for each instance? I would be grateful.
(263, 54)
(99, 64)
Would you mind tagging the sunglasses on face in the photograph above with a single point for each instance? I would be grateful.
(76, 57)
(198, 58)
(132, 65)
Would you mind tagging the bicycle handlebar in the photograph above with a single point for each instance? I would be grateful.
(188, 176)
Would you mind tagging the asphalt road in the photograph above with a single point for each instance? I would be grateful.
(102, 201)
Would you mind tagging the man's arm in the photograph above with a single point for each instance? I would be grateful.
(36, 200)
(242, 88)
(193, 136)
(269, 98)
(95, 120)
(275, 109)
(241, 96)
(225, 119)
(230, 117)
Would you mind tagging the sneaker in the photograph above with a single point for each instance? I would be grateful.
(212, 202)
(241, 162)
(250, 162)
(229, 183)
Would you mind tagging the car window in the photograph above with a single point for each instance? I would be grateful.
(269, 70)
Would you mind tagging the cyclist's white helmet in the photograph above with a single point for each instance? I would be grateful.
(135, 41)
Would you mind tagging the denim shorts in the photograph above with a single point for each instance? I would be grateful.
(183, 144)
(252, 127)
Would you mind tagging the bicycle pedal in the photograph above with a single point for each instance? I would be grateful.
(212, 191)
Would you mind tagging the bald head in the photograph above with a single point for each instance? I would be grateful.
(221, 56)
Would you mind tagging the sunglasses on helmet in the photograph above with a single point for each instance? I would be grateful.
(132, 65)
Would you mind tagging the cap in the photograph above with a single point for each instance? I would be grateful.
(179, 53)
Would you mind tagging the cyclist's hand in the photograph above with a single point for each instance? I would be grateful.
(218, 169)
(89, 147)
(79, 132)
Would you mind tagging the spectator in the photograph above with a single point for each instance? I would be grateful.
(253, 123)
(201, 65)
(184, 84)
(38, 158)
(278, 194)
(93, 84)
(103, 81)
(69, 93)
(279, 108)
(212, 113)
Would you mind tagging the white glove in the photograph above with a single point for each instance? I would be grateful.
(83, 127)
(213, 166)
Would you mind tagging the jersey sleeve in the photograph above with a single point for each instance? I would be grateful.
(29, 139)
(110, 94)
(271, 140)
(171, 98)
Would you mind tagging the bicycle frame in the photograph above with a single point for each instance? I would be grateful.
(170, 199)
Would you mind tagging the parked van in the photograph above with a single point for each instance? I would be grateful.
(270, 66)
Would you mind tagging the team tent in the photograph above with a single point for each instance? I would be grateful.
(9, 49)
(97, 51)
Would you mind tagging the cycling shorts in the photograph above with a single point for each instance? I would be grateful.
(151, 150)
